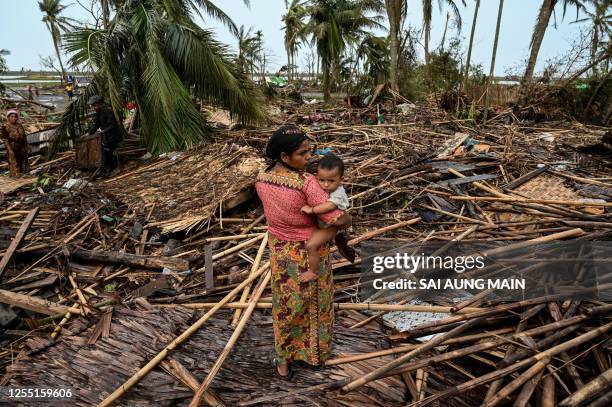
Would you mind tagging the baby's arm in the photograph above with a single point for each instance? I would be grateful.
(320, 209)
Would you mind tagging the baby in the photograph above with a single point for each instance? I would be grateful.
(330, 171)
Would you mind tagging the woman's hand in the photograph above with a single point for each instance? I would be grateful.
(308, 210)
(344, 221)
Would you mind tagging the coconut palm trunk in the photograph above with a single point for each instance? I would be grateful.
(492, 70)
(546, 11)
(326, 81)
(56, 39)
(469, 53)
(394, 11)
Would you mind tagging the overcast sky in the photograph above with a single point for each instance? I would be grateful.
(24, 34)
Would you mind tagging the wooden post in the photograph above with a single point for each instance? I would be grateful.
(34, 303)
(21, 233)
(208, 263)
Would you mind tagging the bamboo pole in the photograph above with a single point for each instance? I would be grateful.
(479, 381)
(178, 340)
(337, 306)
(454, 215)
(481, 313)
(526, 392)
(377, 373)
(178, 371)
(238, 247)
(254, 267)
(534, 370)
(590, 390)
(195, 402)
(530, 200)
(548, 398)
(405, 348)
(378, 232)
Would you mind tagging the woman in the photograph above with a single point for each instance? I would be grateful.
(302, 312)
(14, 138)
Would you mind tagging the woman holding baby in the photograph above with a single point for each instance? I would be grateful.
(302, 282)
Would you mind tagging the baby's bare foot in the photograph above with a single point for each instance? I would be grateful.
(307, 276)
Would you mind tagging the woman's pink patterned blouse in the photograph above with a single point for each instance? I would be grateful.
(283, 196)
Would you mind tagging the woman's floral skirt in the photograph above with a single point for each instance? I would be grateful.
(302, 313)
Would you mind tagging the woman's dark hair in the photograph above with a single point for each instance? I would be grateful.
(287, 139)
(331, 161)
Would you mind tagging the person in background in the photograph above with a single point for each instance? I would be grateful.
(70, 90)
(13, 135)
(106, 123)
(30, 93)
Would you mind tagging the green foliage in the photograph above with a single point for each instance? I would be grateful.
(588, 101)
(444, 69)
(155, 54)
(476, 76)
(335, 24)
(413, 83)
(44, 181)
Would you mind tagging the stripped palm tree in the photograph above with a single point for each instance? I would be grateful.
(294, 27)
(335, 23)
(600, 19)
(428, 15)
(56, 23)
(547, 9)
(396, 14)
(155, 54)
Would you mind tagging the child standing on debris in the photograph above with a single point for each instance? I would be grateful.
(330, 171)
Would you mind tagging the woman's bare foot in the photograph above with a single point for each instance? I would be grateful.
(307, 276)
(283, 369)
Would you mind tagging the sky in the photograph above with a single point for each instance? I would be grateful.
(24, 34)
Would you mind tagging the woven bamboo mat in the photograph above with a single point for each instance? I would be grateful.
(8, 184)
(542, 187)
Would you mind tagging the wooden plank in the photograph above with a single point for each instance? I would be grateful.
(527, 177)
(459, 181)
(35, 304)
(208, 264)
(23, 229)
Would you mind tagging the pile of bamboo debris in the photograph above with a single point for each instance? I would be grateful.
(185, 232)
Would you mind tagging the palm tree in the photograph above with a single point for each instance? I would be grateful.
(469, 53)
(294, 27)
(247, 50)
(601, 21)
(375, 53)
(335, 23)
(546, 11)
(396, 14)
(492, 69)
(427, 19)
(55, 22)
(155, 54)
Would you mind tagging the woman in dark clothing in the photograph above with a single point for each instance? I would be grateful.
(14, 137)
